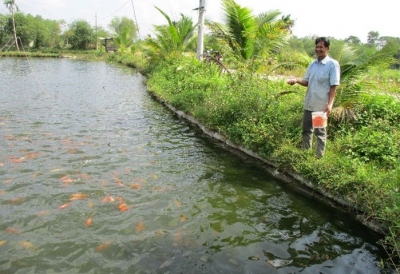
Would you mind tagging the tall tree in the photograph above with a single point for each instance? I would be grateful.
(120, 25)
(373, 37)
(82, 34)
(12, 7)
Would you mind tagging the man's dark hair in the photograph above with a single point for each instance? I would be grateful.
(326, 41)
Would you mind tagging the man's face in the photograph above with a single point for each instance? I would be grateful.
(321, 50)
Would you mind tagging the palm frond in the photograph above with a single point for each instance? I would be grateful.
(241, 25)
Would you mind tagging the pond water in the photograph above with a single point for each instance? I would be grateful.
(97, 177)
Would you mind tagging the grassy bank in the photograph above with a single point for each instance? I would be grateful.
(362, 162)
(54, 53)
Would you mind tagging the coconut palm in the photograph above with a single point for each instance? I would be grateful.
(353, 72)
(12, 7)
(124, 41)
(250, 36)
(175, 37)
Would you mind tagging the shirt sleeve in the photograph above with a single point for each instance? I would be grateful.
(335, 74)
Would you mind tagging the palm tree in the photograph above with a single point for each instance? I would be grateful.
(353, 72)
(10, 4)
(249, 36)
(124, 41)
(175, 37)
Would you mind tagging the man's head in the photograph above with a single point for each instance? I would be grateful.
(322, 47)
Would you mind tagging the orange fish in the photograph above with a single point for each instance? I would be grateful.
(108, 198)
(123, 207)
(17, 200)
(89, 221)
(90, 204)
(42, 213)
(119, 183)
(2, 242)
(12, 230)
(64, 206)
(177, 203)
(32, 155)
(136, 186)
(27, 245)
(183, 218)
(15, 160)
(77, 196)
(66, 180)
(84, 176)
(103, 246)
(140, 226)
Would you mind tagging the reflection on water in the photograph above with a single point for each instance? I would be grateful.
(96, 177)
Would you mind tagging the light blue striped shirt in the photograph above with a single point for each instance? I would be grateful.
(320, 77)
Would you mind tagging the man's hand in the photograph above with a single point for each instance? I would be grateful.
(292, 81)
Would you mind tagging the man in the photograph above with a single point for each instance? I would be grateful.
(321, 79)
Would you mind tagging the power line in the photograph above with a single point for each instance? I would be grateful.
(115, 11)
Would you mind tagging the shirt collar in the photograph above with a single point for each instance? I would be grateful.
(323, 61)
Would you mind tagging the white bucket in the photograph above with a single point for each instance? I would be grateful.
(319, 119)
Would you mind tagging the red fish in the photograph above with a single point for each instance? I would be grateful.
(64, 206)
(89, 221)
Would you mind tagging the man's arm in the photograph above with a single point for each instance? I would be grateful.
(302, 82)
(329, 105)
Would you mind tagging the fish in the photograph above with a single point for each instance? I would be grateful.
(140, 226)
(42, 213)
(123, 207)
(103, 246)
(27, 245)
(12, 230)
(183, 218)
(84, 176)
(17, 200)
(2, 242)
(77, 196)
(66, 180)
(64, 206)
(32, 155)
(136, 186)
(177, 203)
(108, 198)
(15, 160)
(89, 221)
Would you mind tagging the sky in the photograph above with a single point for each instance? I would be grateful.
(339, 19)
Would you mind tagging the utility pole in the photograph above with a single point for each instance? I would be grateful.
(97, 44)
(200, 36)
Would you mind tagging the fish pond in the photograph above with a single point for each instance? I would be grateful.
(98, 177)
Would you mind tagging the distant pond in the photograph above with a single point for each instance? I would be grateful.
(98, 177)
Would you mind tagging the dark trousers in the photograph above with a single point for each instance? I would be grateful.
(307, 134)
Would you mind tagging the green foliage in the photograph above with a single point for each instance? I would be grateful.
(81, 35)
(361, 165)
(171, 39)
(249, 37)
(124, 26)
